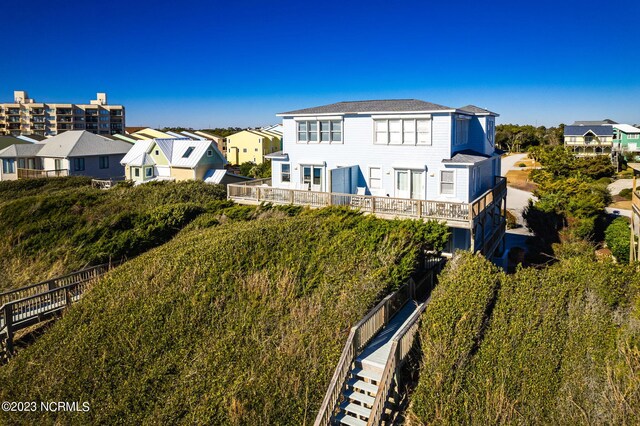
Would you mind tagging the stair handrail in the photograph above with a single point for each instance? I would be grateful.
(361, 334)
(400, 347)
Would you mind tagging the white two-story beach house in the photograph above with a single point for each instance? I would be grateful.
(393, 158)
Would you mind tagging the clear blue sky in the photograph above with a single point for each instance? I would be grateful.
(237, 63)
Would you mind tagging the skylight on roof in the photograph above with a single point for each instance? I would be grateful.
(188, 152)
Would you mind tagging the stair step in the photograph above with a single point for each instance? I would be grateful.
(363, 386)
(367, 374)
(360, 397)
(348, 420)
(356, 409)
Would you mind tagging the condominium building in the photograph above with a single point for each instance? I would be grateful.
(25, 116)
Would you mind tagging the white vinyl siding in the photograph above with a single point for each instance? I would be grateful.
(402, 132)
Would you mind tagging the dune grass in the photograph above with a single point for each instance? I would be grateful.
(231, 322)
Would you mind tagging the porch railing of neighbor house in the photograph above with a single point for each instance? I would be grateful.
(35, 173)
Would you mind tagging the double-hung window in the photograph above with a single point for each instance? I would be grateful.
(104, 161)
(447, 182)
(633, 136)
(491, 131)
(323, 131)
(285, 173)
(8, 165)
(78, 164)
(375, 178)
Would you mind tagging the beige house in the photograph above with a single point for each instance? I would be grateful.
(172, 159)
(25, 116)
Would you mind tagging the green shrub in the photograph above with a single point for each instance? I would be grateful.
(626, 193)
(522, 165)
(618, 238)
(553, 346)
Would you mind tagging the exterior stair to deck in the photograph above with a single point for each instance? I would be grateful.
(364, 389)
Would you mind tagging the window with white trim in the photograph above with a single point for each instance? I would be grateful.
(285, 173)
(375, 178)
(633, 136)
(447, 185)
(402, 131)
(329, 131)
(462, 130)
(491, 130)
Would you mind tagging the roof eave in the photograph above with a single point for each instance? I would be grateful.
(290, 114)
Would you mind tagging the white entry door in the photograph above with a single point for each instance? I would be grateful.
(410, 184)
(313, 178)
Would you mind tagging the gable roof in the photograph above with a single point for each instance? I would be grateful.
(80, 143)
(173, 149)
(626, 128)
(388, 105)
(598, 130)
(21, 150)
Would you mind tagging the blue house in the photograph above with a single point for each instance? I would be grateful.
(393, 158)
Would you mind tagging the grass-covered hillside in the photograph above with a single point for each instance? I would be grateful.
(231, 322)
(53, 226)
(553, 346)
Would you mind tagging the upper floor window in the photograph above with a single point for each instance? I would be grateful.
(462, 130)
(104, 161)
(320, 130)
(633, 136)
(491, 130)
(402, 132)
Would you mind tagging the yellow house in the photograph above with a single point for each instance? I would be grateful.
(252, 146)
(172, 159)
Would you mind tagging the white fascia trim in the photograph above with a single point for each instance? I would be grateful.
(317, 117)
(367, 113)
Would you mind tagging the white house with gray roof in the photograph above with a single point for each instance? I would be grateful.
(72, 153)
(388, 152)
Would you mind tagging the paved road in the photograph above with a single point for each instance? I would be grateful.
(619, 185)
(510, 162)
(620, 212)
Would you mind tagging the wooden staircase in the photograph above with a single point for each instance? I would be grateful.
(364, 387)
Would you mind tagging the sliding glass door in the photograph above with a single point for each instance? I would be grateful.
(410, 184)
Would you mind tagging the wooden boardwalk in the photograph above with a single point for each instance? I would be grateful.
(34, 303)
(365, 384)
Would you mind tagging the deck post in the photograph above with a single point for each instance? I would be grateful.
(291, 195)
(419, 208)
(257, 194)
(373, 204)
(8, 323)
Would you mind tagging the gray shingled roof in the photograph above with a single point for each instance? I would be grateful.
(466, 156)
(389, 105)
(80, 143)
(598, 130)
(476, 110)
(594, 122)
(25, 150)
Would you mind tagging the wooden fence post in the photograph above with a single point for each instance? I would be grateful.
(8, 323)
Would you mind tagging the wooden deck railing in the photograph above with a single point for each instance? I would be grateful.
(453, 212)
(106, 183)
(366, 329)
(35, 173)
(31, 304)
